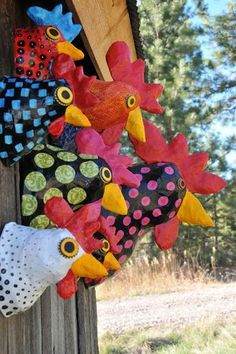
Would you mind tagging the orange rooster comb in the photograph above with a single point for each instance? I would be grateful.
(121, 68)
(191, 166)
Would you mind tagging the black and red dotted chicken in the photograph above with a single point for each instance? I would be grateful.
(36, 47)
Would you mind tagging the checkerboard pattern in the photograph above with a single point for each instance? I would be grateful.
(27, 108)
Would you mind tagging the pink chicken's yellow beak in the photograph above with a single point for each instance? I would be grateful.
(110, 262)
(89, 267)
(75, 116)
(68, 48)
(113, 199)
(191, 211)
(134, 125)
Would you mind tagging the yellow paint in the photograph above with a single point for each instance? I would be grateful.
(191, 211)
(135, 126)
(75, 116)
(88, 266)
(110, 262)
(113, 199)
(70, 49)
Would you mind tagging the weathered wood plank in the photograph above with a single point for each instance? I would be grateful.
(104, 22)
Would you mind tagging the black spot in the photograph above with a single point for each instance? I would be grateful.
(4, 307)
(29, 72)
(17, 294)
(43, 57)
(3, 271)
(7, 291)
(41, 66)
(15, 285)
(1, 287)
(6, 282)
(65, 94)
(32, 53)
(19, 60)
(2, 298)
(31, 62)
(32, 44)
(69, 247)
(29, 37)
(9, 313)
(19, 70)
(11, 301)
(42, 46)
(15, 308)
(21, 43)
(20, 278)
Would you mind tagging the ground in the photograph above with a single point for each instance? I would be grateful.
(167, 310)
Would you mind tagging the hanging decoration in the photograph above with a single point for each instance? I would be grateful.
(36, 47)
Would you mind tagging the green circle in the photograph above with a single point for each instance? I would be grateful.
(67, 156)
(89, 169)
(43, 160)
(39, 147)
(54, 148)
(35, 181)
(52, 192)
(65, 174)
(76, 195)
(87, 157)
(40, 222)
(29, 204)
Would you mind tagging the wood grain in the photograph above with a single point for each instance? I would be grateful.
(104, 22)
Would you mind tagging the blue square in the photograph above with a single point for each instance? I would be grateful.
(30, 145)
(52, 113)
(26, 115)
(25, 92)
(2, 85)
(1, 129)
(35, 86)
(19, 128)
(11, 79)
(2, 102)
(7, 117)
(17, 158)
(41, 131)
(19, 84)
(10, 93)
(42, 93)
(19, 147)
(47, 123)
(29, 81)
(51, 83)
(41, 111)
(15, 104)
(8, 139)
(33, 103)
(3, 154)
(39, 140)
(49, 101)
(30, 134)
(37, 122)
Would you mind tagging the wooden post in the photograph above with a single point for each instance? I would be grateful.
(52, 326)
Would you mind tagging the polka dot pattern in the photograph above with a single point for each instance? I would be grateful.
(65, 174)
(89, 169)
(35, 181)
(43, 160)
(29, 204)
(76, 195)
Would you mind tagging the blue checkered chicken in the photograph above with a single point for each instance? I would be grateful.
(29, 109)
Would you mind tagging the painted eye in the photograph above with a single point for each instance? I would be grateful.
(69, 247)
(64, 96)
(130, 101)
(106, 174)
(106, 245)
(181, 183)
(52, 33)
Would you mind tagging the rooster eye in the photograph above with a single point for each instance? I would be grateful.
(105, 174)
(106, 245)
(130, 101)
(52, 33)
(69, 247)
(64, 96)
(181, 183)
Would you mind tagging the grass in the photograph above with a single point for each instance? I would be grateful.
(158, 276)
(211, 338)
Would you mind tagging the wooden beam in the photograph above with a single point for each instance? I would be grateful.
(104, 22)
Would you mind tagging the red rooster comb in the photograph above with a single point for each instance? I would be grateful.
(64, 68)
(121, 68)
(82, 223)
(88, 141)
(191, 166)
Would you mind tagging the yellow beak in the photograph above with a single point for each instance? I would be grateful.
(75, 116)
(191, 211)
(70, 49)
(135, 126)
(110, 262)
(88, 266)
(113, 199)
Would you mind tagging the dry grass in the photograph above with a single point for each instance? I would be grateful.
(158, 276)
